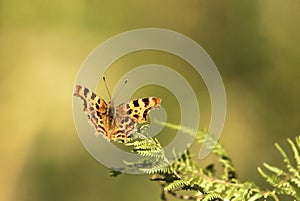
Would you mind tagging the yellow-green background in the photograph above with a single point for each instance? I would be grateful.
(255, 45)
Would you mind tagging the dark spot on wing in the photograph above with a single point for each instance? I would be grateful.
(93, 96)
(102, 128)
(135, 103)
(145, 114)
(136, 116)
(129, 111)
(85, 92)
(127, 106)
(119, 131)
(146, 101)
(99, 100)
(97, 106)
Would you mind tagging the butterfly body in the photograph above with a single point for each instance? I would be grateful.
(115, 123)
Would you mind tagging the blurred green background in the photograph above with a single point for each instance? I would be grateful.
(255, 45)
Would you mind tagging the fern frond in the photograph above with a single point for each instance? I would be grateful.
(296, 151)
(184, 174)
(150, 153)
(212, 197)
(286, 159)
(177, 184)
(277, 171)
(254, 197)
(157, 169)
(285, 182)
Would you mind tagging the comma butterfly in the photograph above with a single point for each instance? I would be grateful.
(115, 123)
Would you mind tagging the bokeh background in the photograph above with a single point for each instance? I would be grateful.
(255, 45)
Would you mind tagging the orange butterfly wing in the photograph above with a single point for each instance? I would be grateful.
(126, 115)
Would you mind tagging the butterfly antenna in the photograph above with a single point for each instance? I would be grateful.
(121, 89)
(106, 88)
